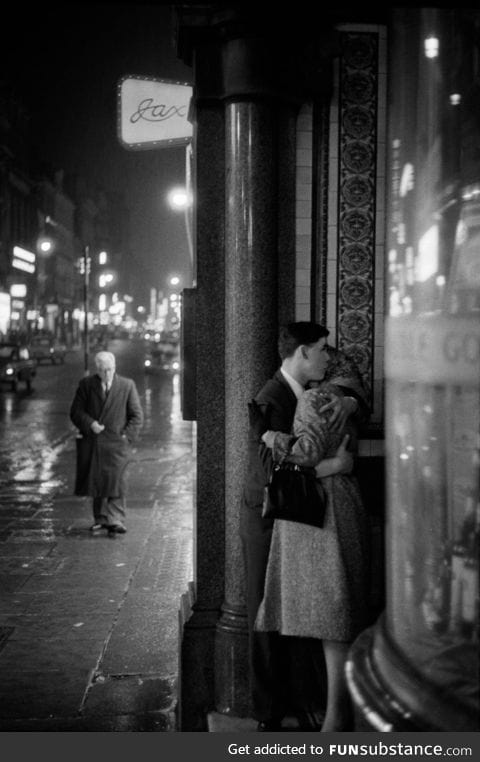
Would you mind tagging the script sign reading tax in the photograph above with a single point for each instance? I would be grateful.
(152, 113)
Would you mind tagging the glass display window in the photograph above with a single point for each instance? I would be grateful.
(433, 348)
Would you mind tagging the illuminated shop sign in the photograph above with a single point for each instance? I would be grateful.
(432, 349)
(153, 113)
(19, 264)
(4, 311)
(23, 260)
(18, 290)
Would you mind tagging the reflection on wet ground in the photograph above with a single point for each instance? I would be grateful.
(88, 625)
(36, 426)
(37, 433)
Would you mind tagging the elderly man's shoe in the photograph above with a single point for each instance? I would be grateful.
(97, 527)
(116, 529)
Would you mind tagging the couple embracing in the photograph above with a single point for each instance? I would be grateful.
(306, 587)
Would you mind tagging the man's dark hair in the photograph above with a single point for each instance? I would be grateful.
(293, 335)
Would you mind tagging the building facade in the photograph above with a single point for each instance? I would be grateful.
(307, 209)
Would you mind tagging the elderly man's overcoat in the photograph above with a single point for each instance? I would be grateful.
(102, 458)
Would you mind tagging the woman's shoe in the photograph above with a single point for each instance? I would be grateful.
(310, 721)
(269, 726)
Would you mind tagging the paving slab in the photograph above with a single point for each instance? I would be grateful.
(89, 624)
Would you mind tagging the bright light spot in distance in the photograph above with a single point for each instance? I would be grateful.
(178, 198)
(431, 46)
(426, 263)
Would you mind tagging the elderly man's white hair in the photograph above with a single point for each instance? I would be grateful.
(105, 358)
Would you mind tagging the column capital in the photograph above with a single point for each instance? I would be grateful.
(254, 53)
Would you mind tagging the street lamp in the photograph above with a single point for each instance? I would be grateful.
(104, 279)
(86, 278)
(180, 200)
(45, 247)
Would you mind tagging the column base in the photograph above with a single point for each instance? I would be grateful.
(232, 694)
(389, 695)
(196, 677)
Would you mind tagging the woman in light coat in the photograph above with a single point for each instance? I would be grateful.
(316, 582)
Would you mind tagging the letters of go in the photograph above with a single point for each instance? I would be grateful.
(153, 113)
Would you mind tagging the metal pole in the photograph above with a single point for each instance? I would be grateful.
(86, 259)
(188, 207)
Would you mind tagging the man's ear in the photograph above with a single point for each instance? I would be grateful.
(303, 351)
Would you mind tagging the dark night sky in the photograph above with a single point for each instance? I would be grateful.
(67, 61)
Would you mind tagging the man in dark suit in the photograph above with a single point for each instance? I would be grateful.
(273, 658)
(107, 411)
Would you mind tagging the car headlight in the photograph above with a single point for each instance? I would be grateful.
(9, 371)
(175, 365)
(148, 363)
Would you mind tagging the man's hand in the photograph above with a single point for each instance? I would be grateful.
(341, 408)
(343, 457)
(258, 418)
(97, 427)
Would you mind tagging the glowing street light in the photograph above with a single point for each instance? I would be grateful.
(46, 246)
(178, 198)
(104, 279)
(431, 45)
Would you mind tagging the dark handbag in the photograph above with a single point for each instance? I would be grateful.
(294, 494)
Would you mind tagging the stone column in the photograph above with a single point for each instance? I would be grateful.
(201, 606)
(247, 89)
(259, 266)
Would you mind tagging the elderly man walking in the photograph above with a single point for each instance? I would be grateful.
(106, 410)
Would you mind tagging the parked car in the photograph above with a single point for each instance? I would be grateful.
(16, 364)
(98, 339)
(162, 358)
(47, 349)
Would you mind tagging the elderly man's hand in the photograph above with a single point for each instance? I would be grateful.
(258, 418)
(268, 439)
(97, 427)
(341, 408)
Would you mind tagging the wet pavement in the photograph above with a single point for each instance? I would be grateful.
(89, 624)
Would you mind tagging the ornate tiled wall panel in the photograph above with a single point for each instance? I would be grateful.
(340, 246)
(303, 228)
(357, 140)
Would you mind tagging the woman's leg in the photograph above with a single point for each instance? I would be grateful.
(339, 709)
